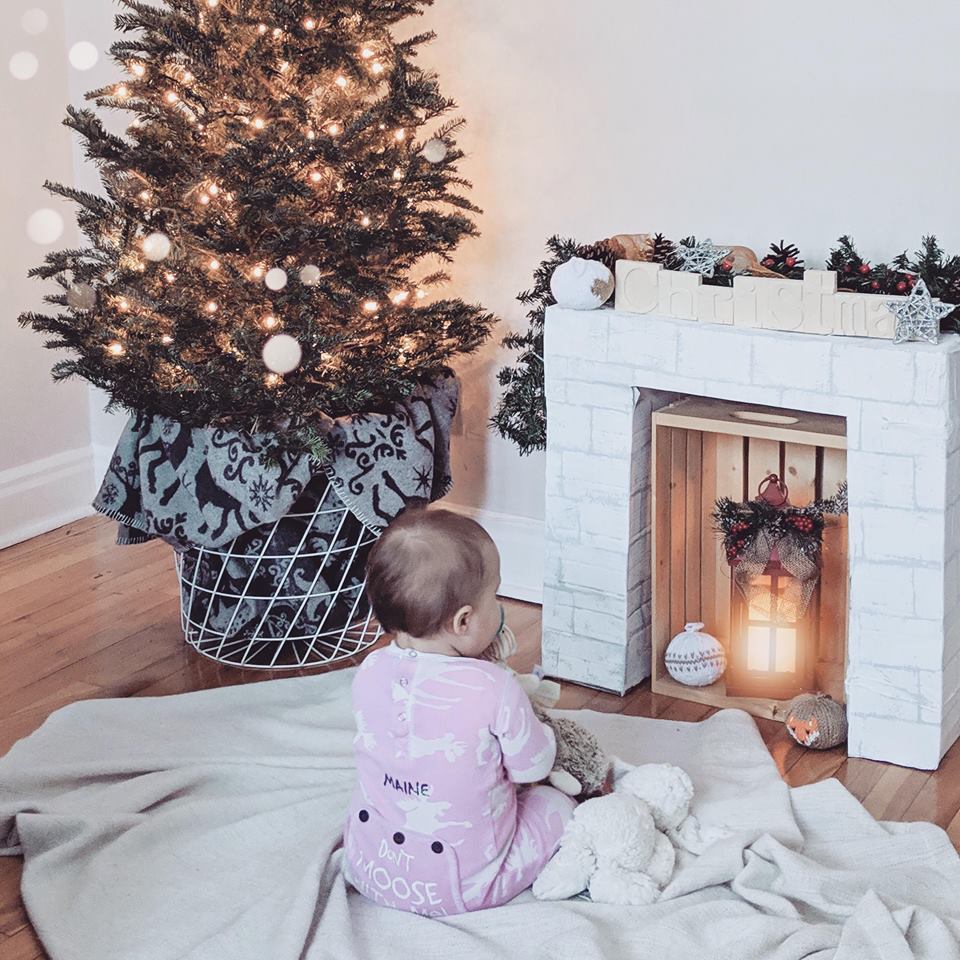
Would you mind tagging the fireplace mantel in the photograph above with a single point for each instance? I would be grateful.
(607, 371)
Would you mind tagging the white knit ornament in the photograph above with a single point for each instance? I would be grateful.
(582, 284)
(282, 353)
(156, 246)
(695, 659)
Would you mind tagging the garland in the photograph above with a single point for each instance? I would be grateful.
(521, 415)
(740, 524)
(761, 531)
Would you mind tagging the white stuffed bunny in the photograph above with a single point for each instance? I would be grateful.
(620, 847)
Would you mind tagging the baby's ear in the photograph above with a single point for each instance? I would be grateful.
(461, 620)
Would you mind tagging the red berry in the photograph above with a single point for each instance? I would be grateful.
(791, 261)
(726, 266)
(901, 286)
(864, 268)
(874, 285)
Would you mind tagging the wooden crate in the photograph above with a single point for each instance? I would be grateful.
(706, 449)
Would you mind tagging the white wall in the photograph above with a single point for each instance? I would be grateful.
(744, 121)
(46, 470)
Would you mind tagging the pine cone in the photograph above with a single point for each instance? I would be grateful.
(602, 251)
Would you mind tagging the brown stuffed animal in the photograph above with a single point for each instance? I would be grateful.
(582, 769)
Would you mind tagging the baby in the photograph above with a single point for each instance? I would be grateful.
(440, 823)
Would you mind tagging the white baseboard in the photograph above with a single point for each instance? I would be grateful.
(45, 494)
(520, 541)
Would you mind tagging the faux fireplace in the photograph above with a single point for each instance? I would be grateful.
(608, 372)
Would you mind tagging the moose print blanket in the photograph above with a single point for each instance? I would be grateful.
(205, 486)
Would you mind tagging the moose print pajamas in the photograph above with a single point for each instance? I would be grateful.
(437, 825)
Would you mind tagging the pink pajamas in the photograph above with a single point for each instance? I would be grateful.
(437, 824)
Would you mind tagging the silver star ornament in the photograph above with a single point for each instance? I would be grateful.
(918, 317)
(701, 258)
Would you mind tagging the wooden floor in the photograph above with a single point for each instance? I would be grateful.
(84, 618)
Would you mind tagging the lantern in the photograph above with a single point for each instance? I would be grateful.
(772, 633)
(770, 653)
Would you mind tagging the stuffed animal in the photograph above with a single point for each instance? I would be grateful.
(582, 768)
(621, 848)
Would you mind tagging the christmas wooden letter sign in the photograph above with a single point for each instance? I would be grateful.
(810, 305)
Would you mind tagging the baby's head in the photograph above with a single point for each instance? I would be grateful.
(432, 579)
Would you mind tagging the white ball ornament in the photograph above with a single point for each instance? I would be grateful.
(434, 150)
(310, 275)
(276, 278)
(694, 658)
(582, 284)
(282, 353)
(156, 247)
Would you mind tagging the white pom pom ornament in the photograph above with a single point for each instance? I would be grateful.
(282, 353)
(156, 247)
(276, 278)
(310, 275)
(434, 151)
(582, 284)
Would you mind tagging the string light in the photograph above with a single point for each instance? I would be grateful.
(213, 3)
(284, 66)
(326, 357)
(400, 297)
(166, 339)
(421, 294)
(187, 77)
(310, 135)
(213, 189)
(212, 306)
(123, 304)
(122, 91)
(366, 53)
(397, 174)
(316, 176)
(171, 96)
(169, 276)
(273, 379)
(116, 349)
(333, 129)
(138, 69)
(259, 123)
(214, 264)
(203, 199)
(371, 306)
(365, 221)
(277, 33)
(270, 322)
(309, 24)
(257, 272)
(400, 135)
(377, 67)
(341, 82)
(145, 195)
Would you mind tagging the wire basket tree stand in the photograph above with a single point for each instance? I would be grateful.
(286, 595)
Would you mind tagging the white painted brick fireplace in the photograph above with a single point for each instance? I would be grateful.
(606, 371)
